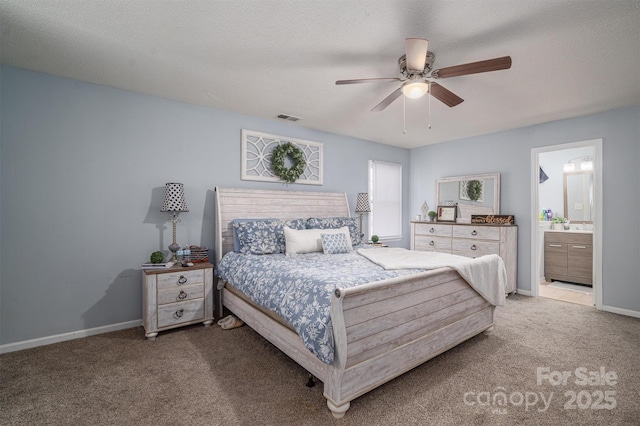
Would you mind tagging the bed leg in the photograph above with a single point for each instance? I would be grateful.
(338, 412)
(311, 382)
(490, 330)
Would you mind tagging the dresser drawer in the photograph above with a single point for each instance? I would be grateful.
(433, 229)
(176, 313)
(477, 232)
(180, 278)
(476, 248)
(180, 294)
(428, 243)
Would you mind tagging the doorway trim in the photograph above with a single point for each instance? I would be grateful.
(596, 144)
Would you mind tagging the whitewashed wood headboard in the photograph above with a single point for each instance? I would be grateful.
(239, 203)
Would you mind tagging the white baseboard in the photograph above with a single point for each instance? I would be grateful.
(41, 341)
(523, 292)
(621, 311)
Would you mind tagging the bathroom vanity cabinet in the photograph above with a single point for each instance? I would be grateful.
(568, 256)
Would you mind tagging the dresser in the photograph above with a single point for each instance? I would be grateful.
(568, 256)
(471, 240)
(176, 297)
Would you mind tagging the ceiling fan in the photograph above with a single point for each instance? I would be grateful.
(418, 77)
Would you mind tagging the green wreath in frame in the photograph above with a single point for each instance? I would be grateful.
(278, 156)
(474, 189)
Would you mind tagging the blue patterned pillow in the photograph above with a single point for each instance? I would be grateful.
(259, 236)
(236, 241)
(337, 222)
(264, 236)
(335, 243)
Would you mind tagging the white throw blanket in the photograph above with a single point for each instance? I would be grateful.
(486, 274)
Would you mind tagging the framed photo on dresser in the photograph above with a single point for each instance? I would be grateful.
(447, 213)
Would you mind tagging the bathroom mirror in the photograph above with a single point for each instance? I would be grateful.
(578, 196)
(470, 196)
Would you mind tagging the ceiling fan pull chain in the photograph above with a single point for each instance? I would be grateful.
(429, 105)
(404, 115)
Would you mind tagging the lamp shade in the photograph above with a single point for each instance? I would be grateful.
(362, 205)
(174, 198)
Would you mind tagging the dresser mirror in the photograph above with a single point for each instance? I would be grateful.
(578, 196)
(473, 194)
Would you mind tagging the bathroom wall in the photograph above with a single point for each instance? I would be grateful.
(551, 192)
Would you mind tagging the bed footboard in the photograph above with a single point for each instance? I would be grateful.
(384, 329)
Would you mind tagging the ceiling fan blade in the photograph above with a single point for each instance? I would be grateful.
(387, 101)
(496, 64)
(416, 53)
(367, 80)
(446, 96)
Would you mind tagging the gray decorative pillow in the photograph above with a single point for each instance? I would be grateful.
(335, 243)
(335, 223)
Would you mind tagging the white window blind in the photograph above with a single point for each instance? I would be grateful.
(385, 189)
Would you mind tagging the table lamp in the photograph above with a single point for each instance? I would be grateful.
(174, 203)
(362, 206)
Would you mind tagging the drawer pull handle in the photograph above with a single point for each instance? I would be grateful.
(179, 313)
(473, 247)
(580, 247)
(182, 280)
(432, 243)
(432, 230)
(555, 245)
(474, 232)
(182, 295)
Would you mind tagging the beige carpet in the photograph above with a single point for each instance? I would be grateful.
(210, 376)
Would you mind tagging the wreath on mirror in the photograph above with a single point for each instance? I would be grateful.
(474, 189)
(278, 156)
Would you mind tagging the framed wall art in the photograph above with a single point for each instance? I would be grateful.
(256, 158)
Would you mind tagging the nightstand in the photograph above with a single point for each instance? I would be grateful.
(176, 296)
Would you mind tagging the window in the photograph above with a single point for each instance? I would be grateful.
(385, 189)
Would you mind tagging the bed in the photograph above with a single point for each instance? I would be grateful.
(379, 329)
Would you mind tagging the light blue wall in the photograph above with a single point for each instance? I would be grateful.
(509, 153)
(83, 172)
(83, 169)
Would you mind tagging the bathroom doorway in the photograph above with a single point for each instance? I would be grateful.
(554, 169)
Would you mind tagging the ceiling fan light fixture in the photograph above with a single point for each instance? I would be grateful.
(415, 88)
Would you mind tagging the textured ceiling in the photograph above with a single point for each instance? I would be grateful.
(263, 58)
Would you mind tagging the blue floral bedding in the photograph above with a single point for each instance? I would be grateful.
(299, 288)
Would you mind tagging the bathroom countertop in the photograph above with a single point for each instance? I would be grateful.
(572, 231)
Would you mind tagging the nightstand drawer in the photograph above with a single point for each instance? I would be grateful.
(426, 243)
(180, 294)
(180, 278)
(477, 232)
(473, 248)
(176, 313)
(433, 229)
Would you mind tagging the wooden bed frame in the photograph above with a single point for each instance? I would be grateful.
(381, 330)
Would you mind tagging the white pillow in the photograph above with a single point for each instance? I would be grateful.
(308, 240)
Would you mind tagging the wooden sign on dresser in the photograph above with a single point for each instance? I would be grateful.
(470, 240)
